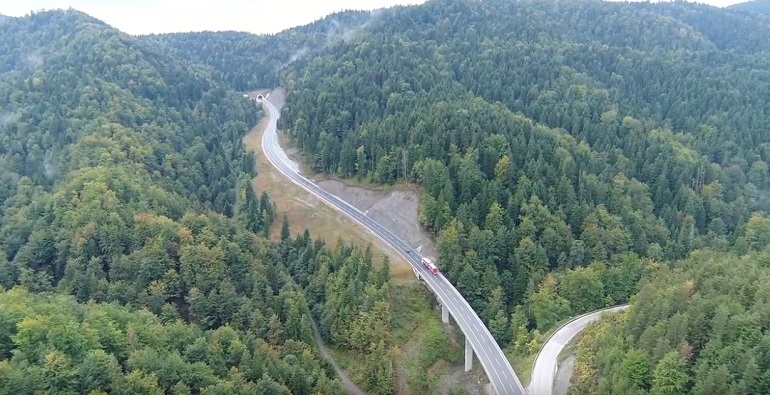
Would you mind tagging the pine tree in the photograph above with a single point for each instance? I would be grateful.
(285, 232)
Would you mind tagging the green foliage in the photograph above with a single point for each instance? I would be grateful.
(670, 376)
(351, 302)
(57, 345)
(548, 138)
(699, 327)
(127, 184)
(231, 55)
(588, 138)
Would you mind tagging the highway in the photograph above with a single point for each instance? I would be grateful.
(487, 351)
(544, 368)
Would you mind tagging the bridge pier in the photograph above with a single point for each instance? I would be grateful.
(468, 355)
(444, 313)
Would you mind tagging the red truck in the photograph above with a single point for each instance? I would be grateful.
(429, 265)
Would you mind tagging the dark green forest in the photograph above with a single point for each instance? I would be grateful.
(599, 142)
(699, 326)
(549, 136)
(133, 257)
(244, 61)
(570, 156)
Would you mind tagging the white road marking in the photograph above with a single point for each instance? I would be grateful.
(465, 316)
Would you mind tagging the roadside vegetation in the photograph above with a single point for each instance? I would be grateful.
(568, 156)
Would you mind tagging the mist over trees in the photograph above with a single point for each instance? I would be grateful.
(133, 255)
(570, 155)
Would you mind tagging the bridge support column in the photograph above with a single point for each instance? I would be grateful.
(468, 355)
(444, 313)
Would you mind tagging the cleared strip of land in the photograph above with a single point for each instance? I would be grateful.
(395, 208)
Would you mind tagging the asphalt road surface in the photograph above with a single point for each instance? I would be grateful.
(545, 366)
(488, 353)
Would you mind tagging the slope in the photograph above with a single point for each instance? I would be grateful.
(62, 346)
(548, 135)
(699, 326)
(124, 182)
(762, 6)
(244, 61)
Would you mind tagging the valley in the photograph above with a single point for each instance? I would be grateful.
(555, 159)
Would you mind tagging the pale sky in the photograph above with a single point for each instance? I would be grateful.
(256, 16)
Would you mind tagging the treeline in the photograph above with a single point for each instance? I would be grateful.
(244, 61)
(760, 6)
(130, 234)
(548, 136)
(698, 326)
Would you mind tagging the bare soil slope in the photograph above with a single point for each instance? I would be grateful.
(396, 209)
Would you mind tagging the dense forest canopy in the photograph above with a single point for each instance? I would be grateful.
(246, 61)
(699, 327)
(762, 6)
(549, 135)
(132, 243)
(588, 136)
(570, 155)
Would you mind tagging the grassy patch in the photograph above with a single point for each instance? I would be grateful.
(425, 350)
(305, 211)
(522, 365)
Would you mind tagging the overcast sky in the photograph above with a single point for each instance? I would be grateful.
(256, 16)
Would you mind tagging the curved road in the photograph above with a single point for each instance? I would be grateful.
(489, 354)
(545, 365)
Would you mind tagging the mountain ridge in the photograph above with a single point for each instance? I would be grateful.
(761, 6)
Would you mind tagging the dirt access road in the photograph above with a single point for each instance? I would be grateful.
(394, 208)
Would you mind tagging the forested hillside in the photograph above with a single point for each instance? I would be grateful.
(592, 139)
(60, 346)
(129, 231)
(549, 135)
(246, 61)
(570, 155)
(762, 6)
(699, 327)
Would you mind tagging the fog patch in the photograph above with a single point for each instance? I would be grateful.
(50, 169)
(7, 117)
(299, 54)
(33, 61)
(336, 31)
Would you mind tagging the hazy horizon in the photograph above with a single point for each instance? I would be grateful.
(139, 17)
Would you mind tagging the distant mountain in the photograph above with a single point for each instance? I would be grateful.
(762, 6)
(246, 61)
